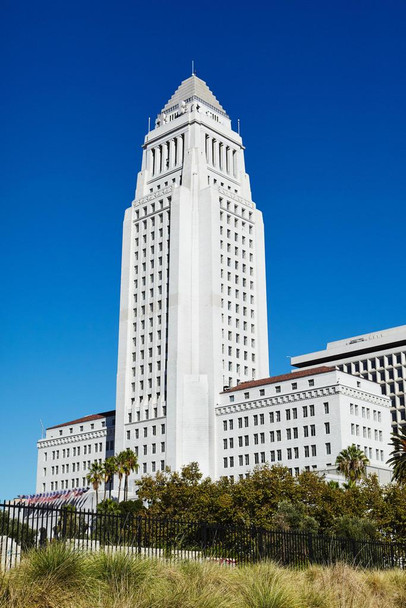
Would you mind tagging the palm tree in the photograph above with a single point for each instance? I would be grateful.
(95, 477)
(398, 455)
(352, 462)
(109, 470)
(130, 464)
(120, 470)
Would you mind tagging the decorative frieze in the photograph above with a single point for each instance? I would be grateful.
(89, 436)
(325, 391)
(152, 196)
(236, 197)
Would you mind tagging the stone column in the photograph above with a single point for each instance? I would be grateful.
(209, 151)
(222, 157)
(171, 153)
(228, 160)
(157, 160)
(180, 149)
(214, 152)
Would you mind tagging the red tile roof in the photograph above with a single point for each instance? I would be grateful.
(84, 419)
(275, 379)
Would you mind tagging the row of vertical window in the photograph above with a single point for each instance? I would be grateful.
(275, 416)
(366, 432)
(308, 451)
(144, 450)
(290, 433)
(365, 412)
(155, 414)
(73, 467)
(374, 363)
(144, 431)
(236, 209)
(154, 466)
(64, 484)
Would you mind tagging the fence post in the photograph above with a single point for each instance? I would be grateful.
(203, 535)
(260, 543)
(310, 547)
(139, 538)
(64, 523)
(354, 550)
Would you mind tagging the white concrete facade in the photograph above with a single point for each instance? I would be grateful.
(302, 421)
(68, 450)
(379, 356)
(193, 295)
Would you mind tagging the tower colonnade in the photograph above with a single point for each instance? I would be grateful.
(166, 156)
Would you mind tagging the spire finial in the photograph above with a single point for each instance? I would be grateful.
(193, 68)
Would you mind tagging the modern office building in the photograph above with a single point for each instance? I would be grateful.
(379, 356)
(193, 314)
(302, 420)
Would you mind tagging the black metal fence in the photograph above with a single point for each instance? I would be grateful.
(25, 527)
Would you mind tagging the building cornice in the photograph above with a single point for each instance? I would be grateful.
(291, 398)
(45, 443)
(369, 397)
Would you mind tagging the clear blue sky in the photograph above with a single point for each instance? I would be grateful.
(321, 92)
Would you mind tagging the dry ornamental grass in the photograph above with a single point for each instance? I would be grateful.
(57, 577)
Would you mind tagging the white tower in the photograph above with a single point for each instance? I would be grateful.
(193, 296)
